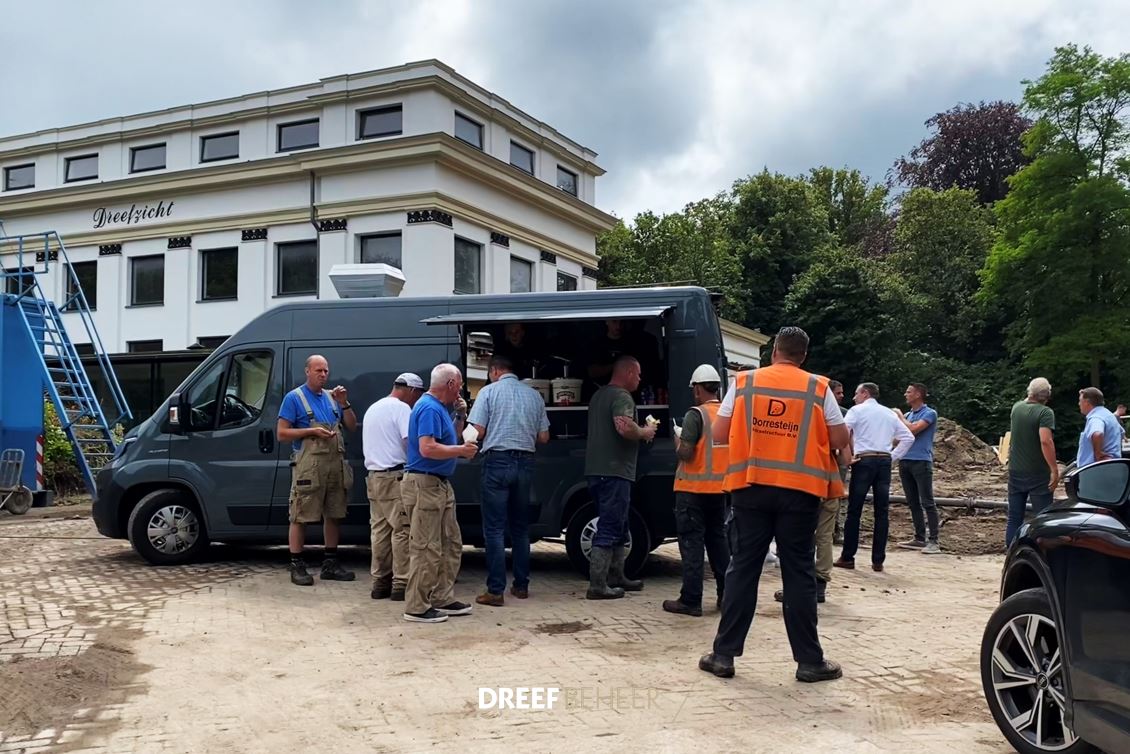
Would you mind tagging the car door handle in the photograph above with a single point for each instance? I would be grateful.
(266, 441)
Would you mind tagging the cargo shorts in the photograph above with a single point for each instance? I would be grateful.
(317, 490)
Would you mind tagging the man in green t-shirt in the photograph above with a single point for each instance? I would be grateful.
(1032, 470)
(610, 465)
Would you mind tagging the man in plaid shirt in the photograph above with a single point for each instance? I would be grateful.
(511, 420)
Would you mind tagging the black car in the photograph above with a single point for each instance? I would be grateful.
(1055, 656)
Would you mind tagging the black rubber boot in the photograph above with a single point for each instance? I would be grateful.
(599, 561)
(616, 577)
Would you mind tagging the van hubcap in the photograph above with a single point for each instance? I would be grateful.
(1028, 682)
(590, 531)
(173, 529)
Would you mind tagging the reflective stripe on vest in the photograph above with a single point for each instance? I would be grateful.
(708, 480)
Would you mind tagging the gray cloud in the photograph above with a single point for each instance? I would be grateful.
(679, 99)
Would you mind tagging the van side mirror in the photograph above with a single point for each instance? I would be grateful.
(1102, 483)
(178, 417)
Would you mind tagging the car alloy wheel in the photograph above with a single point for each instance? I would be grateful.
(589, 532)
(173, 529)
(1027, 678)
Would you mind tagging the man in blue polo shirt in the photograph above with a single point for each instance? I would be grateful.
(436, 546)
(1102, 434)
(916, 470)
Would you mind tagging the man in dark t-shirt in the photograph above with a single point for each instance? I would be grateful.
(1032, 469)
(610, 466)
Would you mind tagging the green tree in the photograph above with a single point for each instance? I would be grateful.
(780, 226)
(856, 208)
(941, 242)
(1061, 265)
(853, 310)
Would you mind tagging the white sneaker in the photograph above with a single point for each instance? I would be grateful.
(931, 548)
(771, 559)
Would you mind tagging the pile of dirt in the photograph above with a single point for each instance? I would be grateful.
(965, 465)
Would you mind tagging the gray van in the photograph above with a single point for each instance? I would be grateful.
(206, 466)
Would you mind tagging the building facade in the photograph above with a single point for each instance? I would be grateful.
(184, 224)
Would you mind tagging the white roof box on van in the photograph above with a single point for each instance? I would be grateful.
(367, 280)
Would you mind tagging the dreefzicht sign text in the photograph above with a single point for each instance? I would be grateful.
(131, 216)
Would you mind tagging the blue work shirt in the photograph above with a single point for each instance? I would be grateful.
(1100, 421)
(294, 412)
(511, 413)
(923, 447)
(430, 418)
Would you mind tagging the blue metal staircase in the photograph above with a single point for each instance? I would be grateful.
(65, 377)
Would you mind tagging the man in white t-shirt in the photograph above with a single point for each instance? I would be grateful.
(384, 437)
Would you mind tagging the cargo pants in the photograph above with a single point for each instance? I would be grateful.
(435, 546)
(388, 528)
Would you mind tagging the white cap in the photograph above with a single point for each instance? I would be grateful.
(409, 380)
(705, 373)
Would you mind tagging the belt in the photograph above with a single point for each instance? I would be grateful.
(397, 467)
(874, 455)
(511, 452)
(441, 477)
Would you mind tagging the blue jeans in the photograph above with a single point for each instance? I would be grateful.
(1022, 489)
(869, 474)
(613, 497)
(506, 498)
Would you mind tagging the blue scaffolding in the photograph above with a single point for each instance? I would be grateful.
(38, 359)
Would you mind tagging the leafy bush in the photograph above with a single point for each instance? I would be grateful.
(60, 469)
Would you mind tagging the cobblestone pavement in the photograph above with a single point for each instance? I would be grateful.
(102, 653)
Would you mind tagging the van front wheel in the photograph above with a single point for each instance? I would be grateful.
(165, 528)
(581, 528)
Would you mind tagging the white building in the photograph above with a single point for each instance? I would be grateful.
(184, 224)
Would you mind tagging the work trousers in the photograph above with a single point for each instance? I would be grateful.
(758, 515)
(825, 531)
(869, 474)
(700, 522)
(505, 504)
(613, 498)
(435, 546)
(388, 528)
(917, 479)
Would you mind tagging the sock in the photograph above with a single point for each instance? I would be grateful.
(296, 559)
(331, 553)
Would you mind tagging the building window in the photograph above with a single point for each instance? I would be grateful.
(212, 342)
(87, 275)
(219, 147)
(81, 168)
(521, 275)
(219, 272)
(383, 248)
(15, 281)
(468, 267)
(566, 180)
(297, 269)
(144, 346)
(380, 121)
(566, 282)
(522, 158)
(469, 131)
(147, 281)
(300, 135)
(19, 177)
(147, 158)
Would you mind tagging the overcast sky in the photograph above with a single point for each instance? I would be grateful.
(678, 98)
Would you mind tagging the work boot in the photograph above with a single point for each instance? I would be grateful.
(677, 606)
(825, 671)
(600, 559)
(332, 571)
(821, 592)
(298, 574)
(493, 600)
(616, 577)
(719, 665)
(382, 589)
(397, 594)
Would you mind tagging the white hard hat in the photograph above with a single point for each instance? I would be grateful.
(704, 373)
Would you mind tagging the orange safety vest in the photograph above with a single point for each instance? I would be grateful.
(706, 471)
(778, 435)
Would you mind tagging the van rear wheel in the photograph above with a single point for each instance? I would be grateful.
(582, 526)
(166, 528)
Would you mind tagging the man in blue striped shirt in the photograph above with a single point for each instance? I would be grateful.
(511, 420)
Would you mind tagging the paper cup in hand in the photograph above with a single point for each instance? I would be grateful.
(470, 434)
(651, 421)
